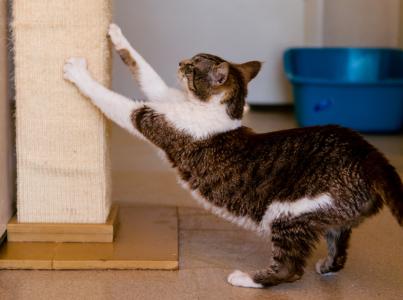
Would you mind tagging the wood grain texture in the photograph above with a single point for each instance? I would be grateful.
(147, 239)
(63, 232)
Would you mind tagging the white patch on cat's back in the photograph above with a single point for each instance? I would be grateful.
(296, 208)
(194, 117)
(274, 211)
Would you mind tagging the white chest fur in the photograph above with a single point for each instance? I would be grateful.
(196, 118)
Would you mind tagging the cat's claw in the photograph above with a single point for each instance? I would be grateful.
(117, 37)
(75, 69)
(241, 279)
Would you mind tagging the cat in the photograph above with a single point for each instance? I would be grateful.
(291, 186)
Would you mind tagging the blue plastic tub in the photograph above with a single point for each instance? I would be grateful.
(353, 87)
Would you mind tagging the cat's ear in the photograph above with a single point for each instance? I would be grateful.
(250, 69)
(219, 74)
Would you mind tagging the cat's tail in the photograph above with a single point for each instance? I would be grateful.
(391, 189)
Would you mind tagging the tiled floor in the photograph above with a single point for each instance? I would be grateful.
(210, 248)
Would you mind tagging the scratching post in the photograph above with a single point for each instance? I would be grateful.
(63, 173)
(62, 144)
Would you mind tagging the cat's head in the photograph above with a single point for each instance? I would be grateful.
(205, 76)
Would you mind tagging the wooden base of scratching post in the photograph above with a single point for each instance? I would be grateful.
(147, 238)
(63, 232)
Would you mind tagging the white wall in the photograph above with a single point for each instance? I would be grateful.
(168, 31)
(239, 30)
(313, 22)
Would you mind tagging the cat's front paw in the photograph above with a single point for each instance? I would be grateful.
(75, 69)
(117, 37)
(241, 279)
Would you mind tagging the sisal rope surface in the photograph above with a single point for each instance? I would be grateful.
(63, 172)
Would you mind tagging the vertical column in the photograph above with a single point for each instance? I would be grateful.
(401, 24)
(314, 22)
(5, 141)
(63, 173)
(361, 23)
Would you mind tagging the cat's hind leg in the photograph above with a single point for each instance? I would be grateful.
(150, 82)
(337, 243)
(292, 243)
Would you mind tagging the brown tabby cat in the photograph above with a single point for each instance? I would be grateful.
(290, 186)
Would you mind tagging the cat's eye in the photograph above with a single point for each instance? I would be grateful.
(188, 68)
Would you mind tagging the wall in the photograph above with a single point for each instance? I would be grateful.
(167, 31)
(313, 22)
(6, 187)
(361, 23)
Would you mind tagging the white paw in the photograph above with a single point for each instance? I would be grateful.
(75, 69)
(238, 278)
(117, 37)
